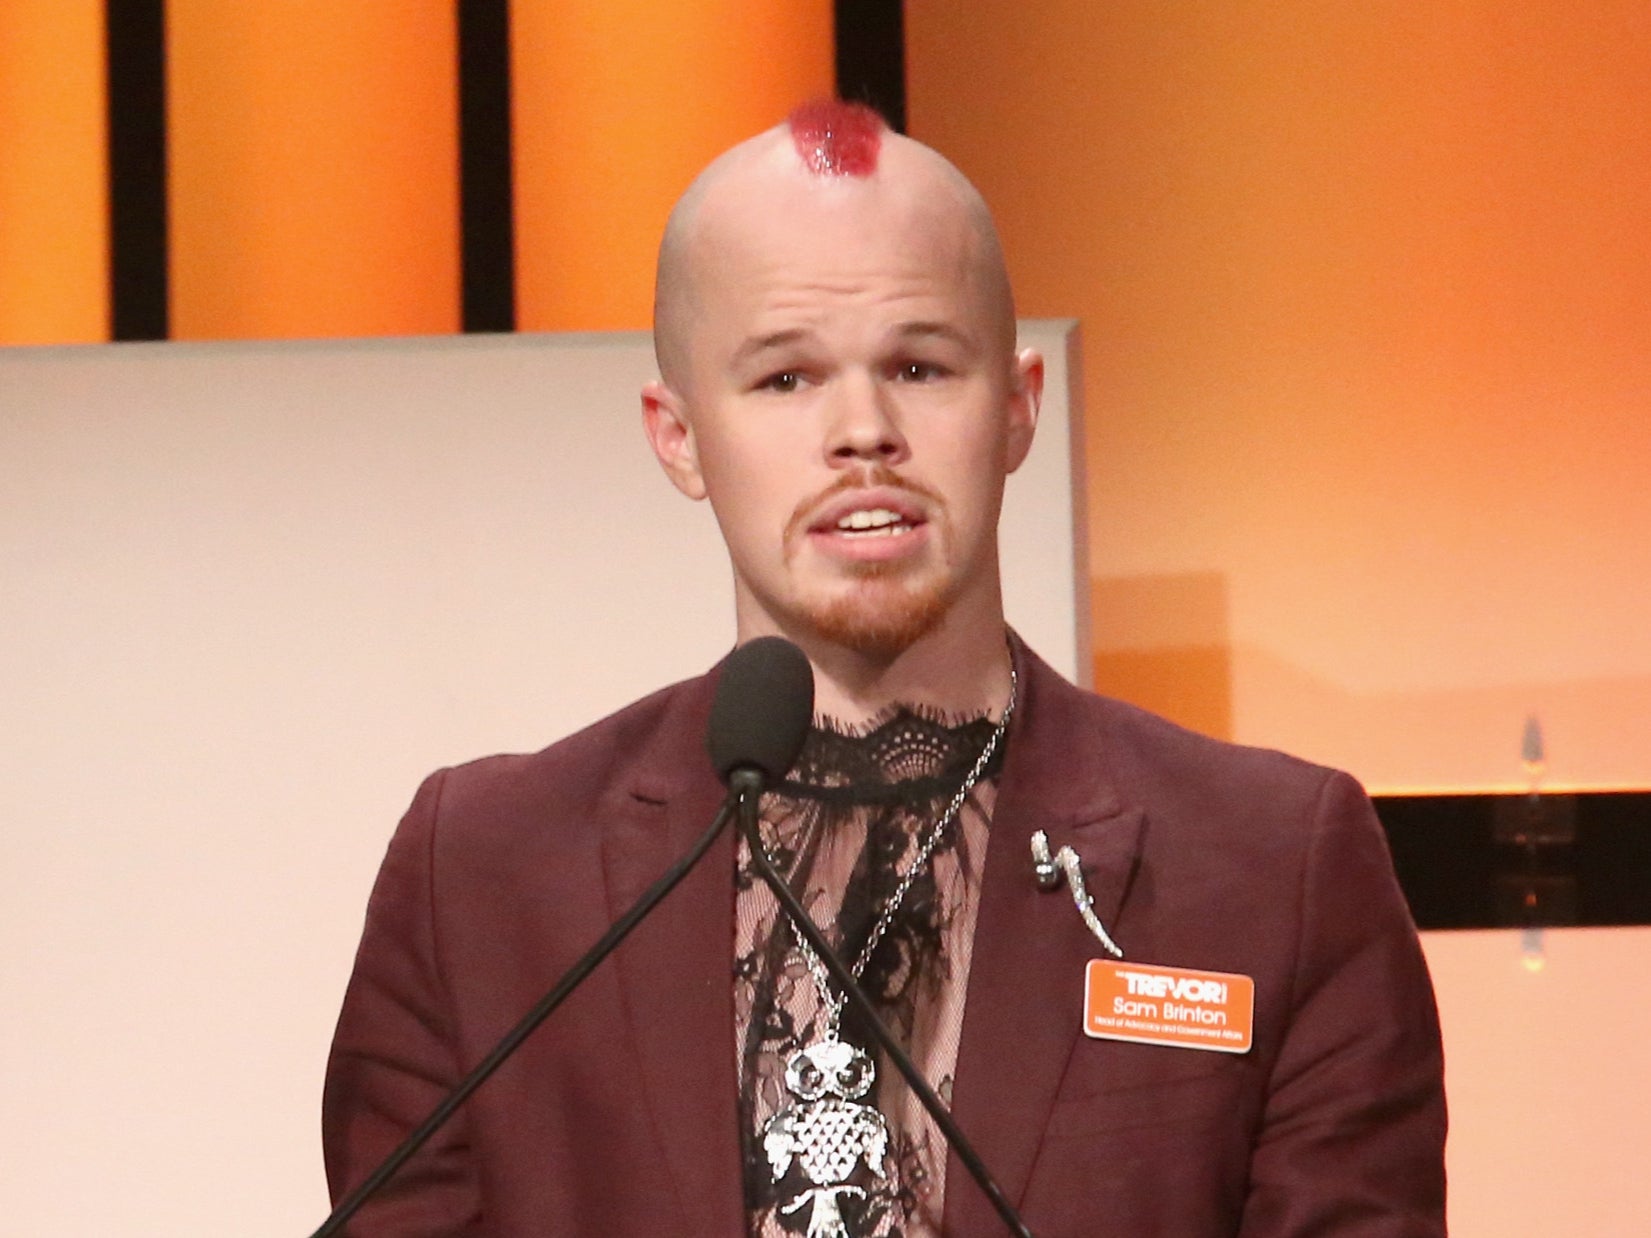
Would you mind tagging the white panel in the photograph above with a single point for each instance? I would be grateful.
(249, 594)
(1549, 1077)
(1043, 537)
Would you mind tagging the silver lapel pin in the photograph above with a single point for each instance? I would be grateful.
(1049, 869)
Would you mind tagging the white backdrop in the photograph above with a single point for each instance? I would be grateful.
(249, 595)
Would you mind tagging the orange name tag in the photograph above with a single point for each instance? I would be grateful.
(1168, 1006)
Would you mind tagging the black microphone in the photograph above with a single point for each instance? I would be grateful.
(759, 718)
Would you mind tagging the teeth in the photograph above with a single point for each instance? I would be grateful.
(877, 519)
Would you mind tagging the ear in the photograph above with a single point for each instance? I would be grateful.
(665, 422)
(1025, 398)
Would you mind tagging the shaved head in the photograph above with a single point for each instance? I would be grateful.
(827, 158)
(838, 377)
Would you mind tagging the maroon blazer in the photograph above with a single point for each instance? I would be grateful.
(618, 1117)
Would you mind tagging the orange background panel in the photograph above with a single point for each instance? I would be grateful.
(54, 204)
(617, 104)
(313, 152)
(1366, 297)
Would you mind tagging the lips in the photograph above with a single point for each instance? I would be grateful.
(868, 513)
(869, 525)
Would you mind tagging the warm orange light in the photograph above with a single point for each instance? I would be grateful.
(54, 205)
(313, 152)
(617, 103)
(1366, 297)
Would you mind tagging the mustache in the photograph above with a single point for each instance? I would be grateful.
(874, 476)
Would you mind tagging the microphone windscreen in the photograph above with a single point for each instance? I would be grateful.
(763, 706)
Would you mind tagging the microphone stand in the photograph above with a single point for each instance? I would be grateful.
(745, 788)
(571, 980)
(747, 784)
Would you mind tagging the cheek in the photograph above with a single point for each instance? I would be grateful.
(726, 464)
(750, 505)
(756, 479)
(742, 444)
(971, 473)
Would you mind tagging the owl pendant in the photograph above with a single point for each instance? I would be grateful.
(826, 1132)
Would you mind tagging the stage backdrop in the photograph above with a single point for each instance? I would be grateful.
(250, 594)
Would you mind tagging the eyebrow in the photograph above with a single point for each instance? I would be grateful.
(941, 330)
(756, 345)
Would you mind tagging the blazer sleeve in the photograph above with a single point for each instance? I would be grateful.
(393, 1057)
(1352, 1135)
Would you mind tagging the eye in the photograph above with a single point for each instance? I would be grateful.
(783, 382)
(919, 371)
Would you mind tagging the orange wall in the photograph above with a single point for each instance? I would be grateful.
(54, 230)
(617, 104)
(1366, 294)
(313, 156)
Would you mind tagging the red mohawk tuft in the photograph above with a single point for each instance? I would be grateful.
(835, 138)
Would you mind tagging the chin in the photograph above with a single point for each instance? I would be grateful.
(881, 619)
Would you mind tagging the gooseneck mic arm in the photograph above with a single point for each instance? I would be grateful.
(804, 924)
(759, 717)
(513, 1039)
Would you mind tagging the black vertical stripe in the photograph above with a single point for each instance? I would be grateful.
(135, 33)
(487, 224)
(871, 56)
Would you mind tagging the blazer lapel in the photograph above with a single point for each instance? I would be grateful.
(675, 970)
(1023, 1015)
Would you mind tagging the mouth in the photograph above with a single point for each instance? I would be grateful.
(876, 525)
(873, 522)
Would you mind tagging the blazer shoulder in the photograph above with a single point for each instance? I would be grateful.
(649, 745)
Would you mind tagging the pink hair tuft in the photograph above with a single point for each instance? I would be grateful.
(835, 138)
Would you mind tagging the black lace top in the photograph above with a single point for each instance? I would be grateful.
(843, 829)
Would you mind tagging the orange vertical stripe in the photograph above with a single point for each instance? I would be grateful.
(54, 201)
(313, 168)
(617, 103)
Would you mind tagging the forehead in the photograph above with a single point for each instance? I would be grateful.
(798, 244)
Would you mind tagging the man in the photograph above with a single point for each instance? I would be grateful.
(838, 376)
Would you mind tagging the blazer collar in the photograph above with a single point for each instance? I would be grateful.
(1023, 1015)
(675, 969)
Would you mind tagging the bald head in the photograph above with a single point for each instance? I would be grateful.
(835, 171)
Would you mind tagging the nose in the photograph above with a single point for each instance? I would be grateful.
(864, 425)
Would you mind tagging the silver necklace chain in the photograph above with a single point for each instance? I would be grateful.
(827, 1131)
(833, 1002)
